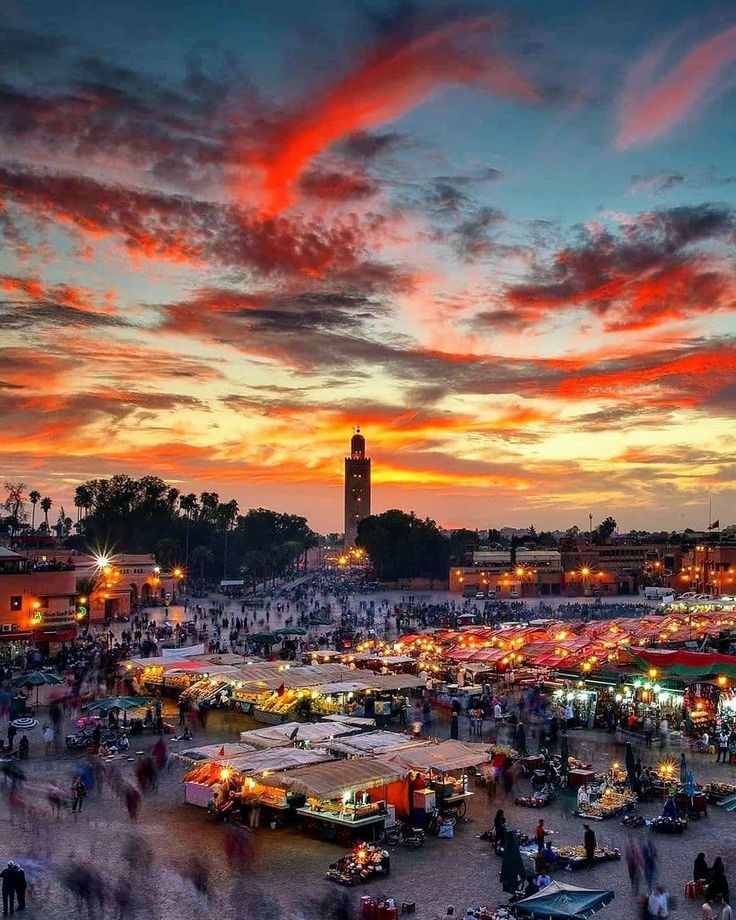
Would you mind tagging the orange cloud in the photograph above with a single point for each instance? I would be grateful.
(649, 109)
(392, 78)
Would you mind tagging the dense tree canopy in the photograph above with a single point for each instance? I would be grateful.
(401, 545)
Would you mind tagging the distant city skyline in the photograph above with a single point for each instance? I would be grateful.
(498, 237)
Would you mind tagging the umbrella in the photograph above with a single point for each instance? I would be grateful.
(564, 755)
(24, 724)
(630, 764)
(36, 679)
(264, 638)
(291, 631)
(117, 702)
(558, 901)
(513, 873)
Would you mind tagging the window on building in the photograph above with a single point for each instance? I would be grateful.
(16, 602)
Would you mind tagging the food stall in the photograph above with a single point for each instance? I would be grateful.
(443, 767)
(243, 771)
(346, 798)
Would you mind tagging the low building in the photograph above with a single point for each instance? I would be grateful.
(707, 569)
(510, 574)
(37, 599)
(118, 582)
(124, 581)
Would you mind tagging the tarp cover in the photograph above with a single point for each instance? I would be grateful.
(276, 759)
(559, 901)
(688, 664)
(445, 756)
(330, 780)
(212, 751)
(281, 735)
(372, 743)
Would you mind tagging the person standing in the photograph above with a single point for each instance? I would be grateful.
(48, 739)
(726, 912)
(649, 857)
(8, 887)
(659, 904)
(648, 731)
(454, 726)
(589, 842)
(79, 791)
(722, 747)
(539, 835)
(21, 883)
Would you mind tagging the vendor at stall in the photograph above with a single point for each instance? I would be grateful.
(583, 796)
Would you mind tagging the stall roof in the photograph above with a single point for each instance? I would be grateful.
(444, 756)
(281, 735)
(394, 681)
(274, 760)
(373, 743)
(357, 721)
(212, 751)
(330, 780)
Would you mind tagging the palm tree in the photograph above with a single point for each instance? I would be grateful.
(202, 556)
(227, 514)
(188, 504)
(46, 504)
(83, 498)
(34, 496)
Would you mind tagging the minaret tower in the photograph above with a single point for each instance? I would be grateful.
(357, 487)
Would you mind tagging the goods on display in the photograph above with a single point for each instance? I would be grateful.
(535, 800)
(363, 863)
(610, 803)
(668, 825)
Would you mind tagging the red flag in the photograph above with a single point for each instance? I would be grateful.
(221, 752)
(716, 525)
(281, 691)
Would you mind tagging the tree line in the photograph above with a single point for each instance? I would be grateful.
(202, 534)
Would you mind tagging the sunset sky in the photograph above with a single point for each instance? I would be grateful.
(498, 237)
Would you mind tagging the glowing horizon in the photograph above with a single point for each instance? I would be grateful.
(513, 269)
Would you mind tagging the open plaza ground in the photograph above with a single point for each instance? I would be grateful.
(283, 874)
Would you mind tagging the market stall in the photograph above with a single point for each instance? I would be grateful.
(244, 773)
(347, 797)
(443, 767)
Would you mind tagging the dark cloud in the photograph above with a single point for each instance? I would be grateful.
(336, 186)
(650, 272)
(369, 145)
(473, 238)
(180, 228)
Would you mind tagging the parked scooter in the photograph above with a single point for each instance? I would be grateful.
(405, 835)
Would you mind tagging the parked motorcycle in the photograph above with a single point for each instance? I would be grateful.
(403, 834)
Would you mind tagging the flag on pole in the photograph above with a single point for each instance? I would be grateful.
(281, 690)
(716, 525)
(221, 752)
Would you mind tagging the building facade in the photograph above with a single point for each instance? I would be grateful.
(37, 599)
(357, 487)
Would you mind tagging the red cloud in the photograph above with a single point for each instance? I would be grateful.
(176, 228)
(649, 110)
(393, 77)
